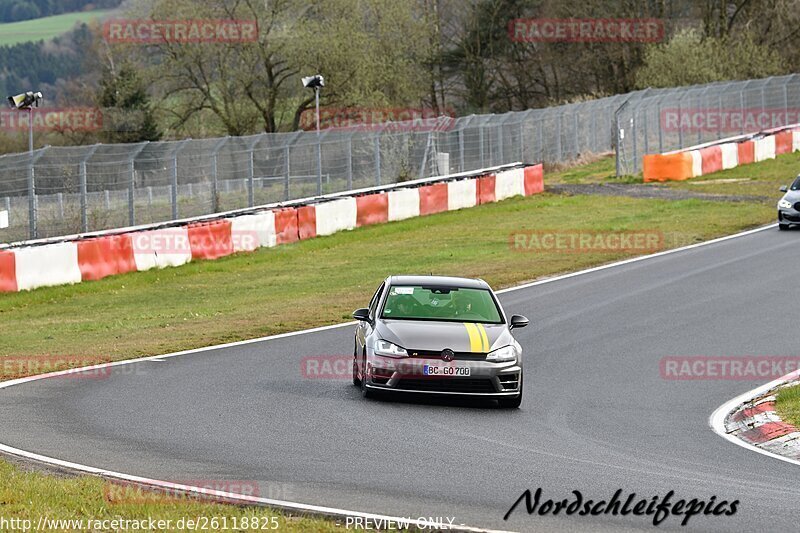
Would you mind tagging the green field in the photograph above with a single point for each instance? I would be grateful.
(45, 28)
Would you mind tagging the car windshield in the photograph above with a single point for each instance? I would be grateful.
(796, 185)
(405, 302)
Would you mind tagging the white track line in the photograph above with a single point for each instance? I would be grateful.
(294, 506)
(717, 418)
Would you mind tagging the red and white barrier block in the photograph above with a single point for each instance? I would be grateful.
(704, 160)
(69, 262)
(757, 423)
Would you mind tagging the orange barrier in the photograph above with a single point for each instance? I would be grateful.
(485, 189)
(433, 198)
(307, 221)
(747, 152)
(534, 179)
(783, 142)
(106, 256)
(8, 272)
(712, 159)
(286, 225)
(372, 209)
(210, 240)
(663, 167)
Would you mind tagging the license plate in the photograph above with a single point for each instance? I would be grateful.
(437, 370)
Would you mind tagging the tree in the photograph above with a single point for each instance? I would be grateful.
(689, 59)
(127, 116)
(371, 52)
(238, 83)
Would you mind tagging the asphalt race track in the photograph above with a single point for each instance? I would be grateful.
(597, 416)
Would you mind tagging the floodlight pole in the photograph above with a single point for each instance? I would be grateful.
(30, 131)
(33, 229)
(319, 144)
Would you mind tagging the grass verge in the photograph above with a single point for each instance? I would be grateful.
(73, 501)
(787, 405)
(320, 281)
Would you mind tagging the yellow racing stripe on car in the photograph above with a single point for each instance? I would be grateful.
(475, 340)
(484, 337)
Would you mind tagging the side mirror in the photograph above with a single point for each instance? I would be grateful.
(518, 321)
(784, 188)
(362, 314)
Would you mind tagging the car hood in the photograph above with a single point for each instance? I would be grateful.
(436, 336)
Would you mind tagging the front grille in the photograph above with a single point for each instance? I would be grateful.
(459, 356)
(791, 218)
(797, 206)
(448, 385)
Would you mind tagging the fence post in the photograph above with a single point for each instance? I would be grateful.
(33, 230)
(174, 186)
(575, 132)
(214, 182)
(522, 140)
(131, 197)
(541, 140)
(287, 165)
(377, 159)
(633, 140)
(319, 164)
(558, 136)
(82, 185)
(646, 134)
(461, 150)
(741, 105)
(250, 178)
(60, 198)
(480, 142)
(350, 162)
(499, 129)
(785, 105)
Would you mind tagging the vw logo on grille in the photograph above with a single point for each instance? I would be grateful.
(448, 354)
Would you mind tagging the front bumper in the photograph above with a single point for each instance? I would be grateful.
(486, 378)
(788, 216)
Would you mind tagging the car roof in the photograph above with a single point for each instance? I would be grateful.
(439, 281)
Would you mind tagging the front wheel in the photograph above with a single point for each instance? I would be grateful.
(783, 227)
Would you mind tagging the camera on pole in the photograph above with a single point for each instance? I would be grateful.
(25, 100)
(314, 82)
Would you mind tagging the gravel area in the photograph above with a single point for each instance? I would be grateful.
(649, 191)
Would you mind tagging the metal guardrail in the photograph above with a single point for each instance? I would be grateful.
(79, 189)
(253, 209)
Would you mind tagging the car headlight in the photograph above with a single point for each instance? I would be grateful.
(785, 204)
(387, 349)
(501, 355)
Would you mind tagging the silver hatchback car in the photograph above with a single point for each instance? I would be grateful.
(438, 335)
(789, 205)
